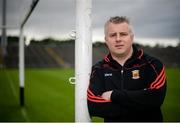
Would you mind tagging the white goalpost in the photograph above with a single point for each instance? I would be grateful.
(21, 53)
(83, 58)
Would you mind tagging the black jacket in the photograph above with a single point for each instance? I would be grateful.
(139, 88)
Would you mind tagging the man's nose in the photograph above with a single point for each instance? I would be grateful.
(118, 38)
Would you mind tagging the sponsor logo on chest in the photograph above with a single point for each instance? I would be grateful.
(107, 74)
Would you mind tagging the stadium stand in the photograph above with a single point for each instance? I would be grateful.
(1, 58)
(66, 52)
(55, 54)
(11, 58)
(36, 56)
(59, 61)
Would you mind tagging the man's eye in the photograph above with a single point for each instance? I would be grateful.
(112, 35)
(124, 34)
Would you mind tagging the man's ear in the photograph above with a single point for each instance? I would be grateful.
(105, 38)
(132, 37)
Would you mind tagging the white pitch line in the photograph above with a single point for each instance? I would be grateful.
(23, 110)
(24, 113)
(11, 85)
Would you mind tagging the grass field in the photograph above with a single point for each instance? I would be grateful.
(50, 97)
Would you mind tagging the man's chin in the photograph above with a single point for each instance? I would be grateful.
(119, 53)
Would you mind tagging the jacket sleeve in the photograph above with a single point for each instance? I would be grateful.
(98, 106)
(147, 98)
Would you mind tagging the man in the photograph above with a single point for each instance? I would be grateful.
(127, 85)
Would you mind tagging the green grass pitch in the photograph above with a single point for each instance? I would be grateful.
(50, 97)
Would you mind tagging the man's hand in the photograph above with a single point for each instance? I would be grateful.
(107, 95)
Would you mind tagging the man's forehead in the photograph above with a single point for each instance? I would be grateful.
(124, 27)
(124, 24)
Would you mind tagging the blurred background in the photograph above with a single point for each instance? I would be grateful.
(50, 52)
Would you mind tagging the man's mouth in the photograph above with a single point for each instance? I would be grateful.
(119, 46)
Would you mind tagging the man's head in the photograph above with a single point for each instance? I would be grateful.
(119, 36)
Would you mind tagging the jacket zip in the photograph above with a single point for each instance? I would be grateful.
(122, 79)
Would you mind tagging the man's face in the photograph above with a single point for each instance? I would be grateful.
(118, 39)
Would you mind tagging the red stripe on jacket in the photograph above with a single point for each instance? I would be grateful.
(97, 99)
(160, 80)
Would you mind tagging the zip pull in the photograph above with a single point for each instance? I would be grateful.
(122, 79)
(122, 71)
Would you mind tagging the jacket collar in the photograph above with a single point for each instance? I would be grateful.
(137, 54)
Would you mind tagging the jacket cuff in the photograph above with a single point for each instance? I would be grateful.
(117, 96)
(114, 95)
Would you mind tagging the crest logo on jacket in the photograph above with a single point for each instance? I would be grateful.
(135, 74)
